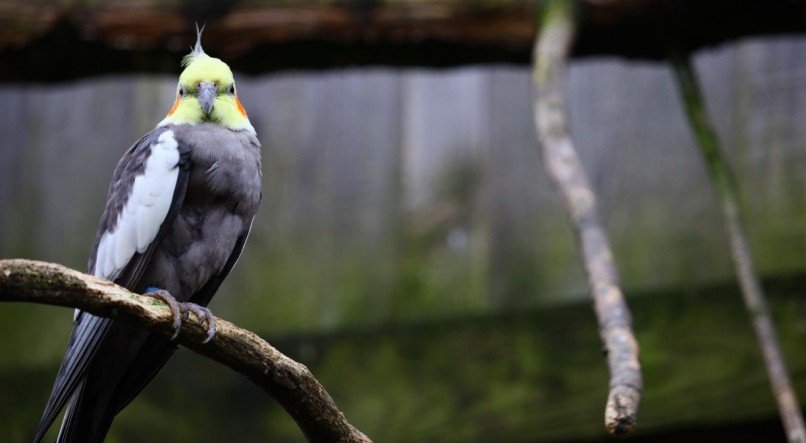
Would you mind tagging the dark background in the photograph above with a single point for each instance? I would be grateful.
(412, 252)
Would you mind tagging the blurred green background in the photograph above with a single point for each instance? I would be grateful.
(412, 252)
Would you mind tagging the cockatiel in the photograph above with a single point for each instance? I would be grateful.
(177, 215)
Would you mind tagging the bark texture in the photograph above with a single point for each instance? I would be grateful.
(552, 49)
(288, 382)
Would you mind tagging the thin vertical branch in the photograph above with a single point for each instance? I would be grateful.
(551, 51)
(752, 293)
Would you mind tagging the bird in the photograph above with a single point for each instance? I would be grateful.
(177, 216)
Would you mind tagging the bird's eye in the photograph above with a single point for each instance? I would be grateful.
(181, 91)
(232, 88)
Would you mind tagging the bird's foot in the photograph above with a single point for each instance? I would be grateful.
(205, 315)
(176, 307)
(180, 310)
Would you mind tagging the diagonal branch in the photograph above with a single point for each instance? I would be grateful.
(719, 172)
(551, 51)
(288, 382)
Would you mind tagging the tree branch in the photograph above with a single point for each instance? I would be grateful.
(288, 382)
(753, 295)
(551, 51)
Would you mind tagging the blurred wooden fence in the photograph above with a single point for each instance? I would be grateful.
(408, 194)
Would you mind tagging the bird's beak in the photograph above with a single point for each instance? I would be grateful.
(206, 95)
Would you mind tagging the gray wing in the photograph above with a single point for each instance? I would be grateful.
(147, 190)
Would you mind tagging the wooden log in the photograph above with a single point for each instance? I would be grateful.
(53, 41)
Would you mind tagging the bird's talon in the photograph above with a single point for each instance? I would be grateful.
(175, 307)
(206, 316)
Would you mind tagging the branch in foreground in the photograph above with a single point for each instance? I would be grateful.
(288, 382)
(754, 300)
(551, 51)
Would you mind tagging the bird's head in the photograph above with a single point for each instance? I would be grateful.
(206, 92)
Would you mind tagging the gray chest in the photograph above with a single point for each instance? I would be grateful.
(224, 169)
(222, 197)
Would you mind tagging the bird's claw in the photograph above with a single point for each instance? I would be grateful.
(206, 316)
(176, 307)
(180, 310)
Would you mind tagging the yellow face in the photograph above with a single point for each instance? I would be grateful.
(206, 92)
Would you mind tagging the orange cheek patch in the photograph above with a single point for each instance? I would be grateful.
(174, 107)
(240, 107)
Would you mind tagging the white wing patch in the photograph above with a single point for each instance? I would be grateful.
(141, 217)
